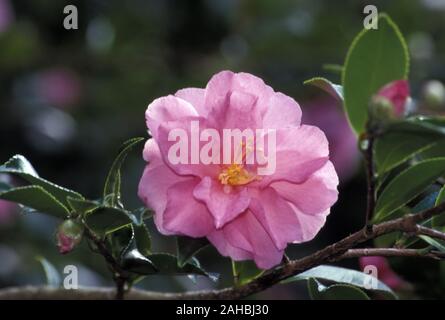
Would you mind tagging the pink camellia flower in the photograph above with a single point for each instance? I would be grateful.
(397, 94)
(385, 273)
(344, 154)
(246, 213)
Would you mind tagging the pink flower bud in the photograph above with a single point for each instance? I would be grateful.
(69, 235)
(385, 273)
(395, 95)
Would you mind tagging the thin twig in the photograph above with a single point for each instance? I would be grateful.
(118, 274)
(392, 252)
(368, 154)
(331, 253)
(430, 232)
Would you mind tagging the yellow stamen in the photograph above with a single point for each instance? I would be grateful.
(235, 175)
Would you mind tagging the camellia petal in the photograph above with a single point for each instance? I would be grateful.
(184, 215)
(224, 205)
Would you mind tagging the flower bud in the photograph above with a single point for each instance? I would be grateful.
(384, 272)
(69, 235)
(389, 103)
(433, 94)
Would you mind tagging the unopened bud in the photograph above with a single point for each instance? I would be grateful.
(390, 102)
(69, 235)
(433, 94)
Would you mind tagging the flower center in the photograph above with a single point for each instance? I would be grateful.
(235, 175)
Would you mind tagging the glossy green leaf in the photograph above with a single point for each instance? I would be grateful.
(133, 260)
(318, 291)
(407, 185)
(425, 124)
(375, 58)
(419, 135)
(82, 206)
(187, 247)
(141, 233)
(37, 198)
(104, 220)
(438, 222)
(389, 239)
(245, 271)
(407, 240)
(435, 150)
(142, 238)
(119, 241)
(437, 244)
(52, 275)
(343, 275)
(334, 90)
(112, 192)
(19, 166)
(396, 147)
(167, 264)
(124, 247)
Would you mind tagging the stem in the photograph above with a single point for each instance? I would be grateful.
(368, 154)
(235, 274)
(392, 252)
(120, 288)
(334, 252)
(430, 232)
(118, 274)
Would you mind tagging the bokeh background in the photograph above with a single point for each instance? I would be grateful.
(69, 98)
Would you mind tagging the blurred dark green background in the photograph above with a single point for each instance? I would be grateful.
(68, 98)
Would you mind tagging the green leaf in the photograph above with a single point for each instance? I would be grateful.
(435, 150)
(52, 275)
(124, 247)
(133, 260)
(245, 271)
(407, 185)
(375, 58)
(36, 198)
(318, 291)
(396, 147)
(389, 239)
(141, 233)
(406, 240)
(334, 90)
(402, 140)
(167, 264)
(82, 206)
(438, 222)
(142, 238)
(104, 220)
(439, 245)
(112, 192)
(119, 241)
(187, 247)
(425, 124)
(343, 275)
(19, 166)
